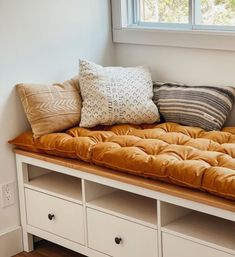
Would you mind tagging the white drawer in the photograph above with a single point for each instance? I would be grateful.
(174, 246)
(68, 217)
(136, 240)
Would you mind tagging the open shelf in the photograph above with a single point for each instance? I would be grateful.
(205, 229)
(59, 185)
(129, 206)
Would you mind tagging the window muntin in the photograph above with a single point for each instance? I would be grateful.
(163, 11)
(192, 14)
(217, 13)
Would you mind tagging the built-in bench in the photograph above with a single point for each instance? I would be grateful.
(100, 212)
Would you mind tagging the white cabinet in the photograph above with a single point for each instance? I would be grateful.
(120, 223)
(101, 217)
(129, 206)
(55, 215)
(119, 237)
(197, 234)
(175, 246)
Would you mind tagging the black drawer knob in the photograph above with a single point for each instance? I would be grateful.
(51, 216)
(118, 240)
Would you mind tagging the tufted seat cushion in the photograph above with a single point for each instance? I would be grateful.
(182, 155)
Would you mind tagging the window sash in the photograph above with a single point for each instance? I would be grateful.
(195, 18)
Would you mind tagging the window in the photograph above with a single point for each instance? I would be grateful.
(190, 14)
(203, 24)
(162, 11)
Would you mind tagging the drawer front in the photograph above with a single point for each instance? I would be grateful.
(67, 221)
(174, 246)
(136, 240)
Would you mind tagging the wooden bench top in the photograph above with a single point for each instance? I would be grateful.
(155, 185)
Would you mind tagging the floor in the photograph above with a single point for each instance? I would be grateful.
(47, 249)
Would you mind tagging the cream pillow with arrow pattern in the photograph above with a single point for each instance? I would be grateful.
(51, 108)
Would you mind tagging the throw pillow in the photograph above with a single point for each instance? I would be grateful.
(51, 108)
(116, 95)
(199, 106)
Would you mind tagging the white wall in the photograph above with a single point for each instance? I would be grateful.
(185, 65)
(41, 41)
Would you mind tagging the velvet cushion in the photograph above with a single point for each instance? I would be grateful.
(186, 156)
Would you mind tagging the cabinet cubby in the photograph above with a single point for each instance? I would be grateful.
(204, 229)
(57, 184)
(127, 205)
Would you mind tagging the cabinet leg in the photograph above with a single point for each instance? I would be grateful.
(27, 242)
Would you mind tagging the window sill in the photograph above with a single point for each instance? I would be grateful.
(202, 39)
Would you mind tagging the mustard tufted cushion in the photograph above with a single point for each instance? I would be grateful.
(187, 156)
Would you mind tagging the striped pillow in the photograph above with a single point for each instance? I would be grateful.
(199, 106)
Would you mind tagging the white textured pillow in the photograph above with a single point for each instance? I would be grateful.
(116, 95)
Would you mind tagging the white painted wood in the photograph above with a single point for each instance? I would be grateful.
(59, 185)
(64, 242)
(119, 13)
(22, 177)
(190, 36)
(131, 188)
(116, 14)
(177, 38)
(68, 220)
(205, 229)
(95, 190)
(137, 240)
(129, 206)
(159, 242)
(174, 246)
(35, 171)
(119, 207)
(166, 214)
(170, 212)
(84, 211)
(11, 242)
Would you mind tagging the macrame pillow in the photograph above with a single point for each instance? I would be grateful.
(116, 95)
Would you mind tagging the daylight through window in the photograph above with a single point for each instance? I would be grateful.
(195, 14)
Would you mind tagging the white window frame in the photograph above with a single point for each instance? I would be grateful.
(135, 20)
(194, 19)
(192, 36)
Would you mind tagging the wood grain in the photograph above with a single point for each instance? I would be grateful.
(47, 249)
(155, 185)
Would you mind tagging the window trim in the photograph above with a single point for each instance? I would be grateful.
(139, 23)
(193, 18)
(202, 38)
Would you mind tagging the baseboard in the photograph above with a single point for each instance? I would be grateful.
(11, 242)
